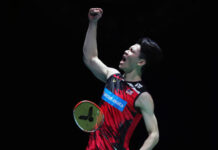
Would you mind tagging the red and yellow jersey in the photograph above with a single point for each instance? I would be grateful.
(120, 115)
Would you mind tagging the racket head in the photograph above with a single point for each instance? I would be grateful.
(88, 116)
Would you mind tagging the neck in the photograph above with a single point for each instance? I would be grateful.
(133, 76)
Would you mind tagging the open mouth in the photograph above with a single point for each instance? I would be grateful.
(123, 58)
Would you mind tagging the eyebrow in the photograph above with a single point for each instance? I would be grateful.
(130, 47)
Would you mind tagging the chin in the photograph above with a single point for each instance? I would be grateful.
(121, 68)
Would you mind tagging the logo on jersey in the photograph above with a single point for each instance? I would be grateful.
(138, 85)
(113, 100)
(129, 91)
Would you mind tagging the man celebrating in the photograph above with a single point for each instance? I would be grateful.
(125, 99)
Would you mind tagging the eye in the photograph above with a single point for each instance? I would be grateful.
(131, 50)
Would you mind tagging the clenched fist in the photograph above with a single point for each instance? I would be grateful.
(95, 14)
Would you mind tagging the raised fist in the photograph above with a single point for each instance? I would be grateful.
(95, 14)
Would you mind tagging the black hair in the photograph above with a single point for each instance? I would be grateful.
(151, 52)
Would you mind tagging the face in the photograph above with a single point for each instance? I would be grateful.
(130, 59)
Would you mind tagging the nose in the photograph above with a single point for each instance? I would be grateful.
(126, 52)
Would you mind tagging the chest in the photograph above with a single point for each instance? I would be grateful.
(120, 94)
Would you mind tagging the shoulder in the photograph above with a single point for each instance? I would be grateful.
(145, 102)
(112, 71)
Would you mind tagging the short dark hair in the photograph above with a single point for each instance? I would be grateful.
(150, 51)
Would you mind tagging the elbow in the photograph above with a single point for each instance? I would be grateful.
(85, 59)
(88, 60)
(89, 55)
(156, 137)
(85, 55)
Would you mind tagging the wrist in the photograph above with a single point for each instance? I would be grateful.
(93, 21)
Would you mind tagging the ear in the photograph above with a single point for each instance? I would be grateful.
(141, 62)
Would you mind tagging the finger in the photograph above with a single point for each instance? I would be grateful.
(91, 10)
(101, 10)
(93, 13)
(96, 10)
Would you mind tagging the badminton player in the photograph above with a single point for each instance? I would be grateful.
(125, 100)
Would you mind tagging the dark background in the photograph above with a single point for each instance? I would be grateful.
(45, 49)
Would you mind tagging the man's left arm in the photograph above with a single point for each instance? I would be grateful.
(146, 105)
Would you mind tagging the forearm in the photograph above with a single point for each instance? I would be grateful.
(90, 43)
(150, 142)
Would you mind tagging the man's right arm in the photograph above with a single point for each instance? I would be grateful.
(90, 51)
